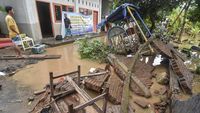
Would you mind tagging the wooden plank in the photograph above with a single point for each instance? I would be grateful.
(71, 73)
(90, 102)
(96, 82)
(174, 85)
(115, 88)
(185, 77)
(139, 82)
(24, 57)
(83, 94)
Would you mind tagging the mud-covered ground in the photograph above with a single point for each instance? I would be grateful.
(14, 97)
(11, 66)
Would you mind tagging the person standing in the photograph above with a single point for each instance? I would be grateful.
(13, 29)
(67, 26)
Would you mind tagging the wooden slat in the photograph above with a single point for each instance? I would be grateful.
(83, 94)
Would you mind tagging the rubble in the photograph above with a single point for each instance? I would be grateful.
(141, 103)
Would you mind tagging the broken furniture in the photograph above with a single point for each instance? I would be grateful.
(70, 80)
(26, 42)
(96, 83)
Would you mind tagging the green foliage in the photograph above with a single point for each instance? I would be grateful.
(95, 50)
(172, 17)
(194, 29)
(2, 9)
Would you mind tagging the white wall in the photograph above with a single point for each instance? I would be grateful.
(27, 18)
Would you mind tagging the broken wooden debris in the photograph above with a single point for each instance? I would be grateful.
(115, 88)
(141, 82)
(83, 94)
(117, 109)
(173, 84)
(39, 92)
(96, 82)
(37, 57)
(141, 103)
(160, 107)
(185, 77)
(162, 48)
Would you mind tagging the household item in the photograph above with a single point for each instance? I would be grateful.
(38, 49)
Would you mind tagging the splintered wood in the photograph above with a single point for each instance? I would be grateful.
(185, 77)
(162, 48)
(141, 82)
(117, 109)
(63, 87)
(71, 99)
(96, 82)
(115, 88)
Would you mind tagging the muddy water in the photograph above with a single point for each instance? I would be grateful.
(36, 75)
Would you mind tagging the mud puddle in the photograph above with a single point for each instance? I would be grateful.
(36, 76)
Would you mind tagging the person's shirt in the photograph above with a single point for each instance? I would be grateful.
(11, 22)
(67, 23)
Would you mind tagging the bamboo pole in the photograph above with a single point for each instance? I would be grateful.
(126, 91)
(145, 38)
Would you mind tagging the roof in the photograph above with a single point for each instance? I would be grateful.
(120, 13)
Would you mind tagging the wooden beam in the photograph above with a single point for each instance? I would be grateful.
(105, 100)
(90, 102)
(83, 94)
(126, 91)
(51, 84)
(79, 74)
(71, 73)
(56, 106)
(64, 93)
(24, 57)
(71, 109)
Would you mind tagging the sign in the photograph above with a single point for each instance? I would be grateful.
(81, 24)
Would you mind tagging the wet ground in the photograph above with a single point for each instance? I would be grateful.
(36, 76)
(18, 88)
(33, 77)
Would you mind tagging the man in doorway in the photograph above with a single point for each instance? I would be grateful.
(67, 26)
(13, 29)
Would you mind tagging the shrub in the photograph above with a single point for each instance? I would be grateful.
(94, 50)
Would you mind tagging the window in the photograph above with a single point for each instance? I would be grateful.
(89, 4)
(72, 0)
(58, 13)
(64, 8)
(79, 1)
(85, 11)
(82, 2)
(86, 3)
(70, 9)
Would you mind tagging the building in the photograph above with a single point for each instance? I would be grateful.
(42, 18)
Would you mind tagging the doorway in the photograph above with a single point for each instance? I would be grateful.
(44, 16)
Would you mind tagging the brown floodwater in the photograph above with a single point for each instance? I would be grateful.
(36, 76)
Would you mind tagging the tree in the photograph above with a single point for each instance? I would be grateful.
(154, 10)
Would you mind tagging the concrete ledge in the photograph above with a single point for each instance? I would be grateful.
(53, 43)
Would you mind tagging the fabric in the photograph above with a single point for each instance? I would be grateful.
(68, 32)
(11, 22)
(67, 23)
(16, 40)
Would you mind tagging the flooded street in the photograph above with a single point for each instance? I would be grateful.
(36, 76)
